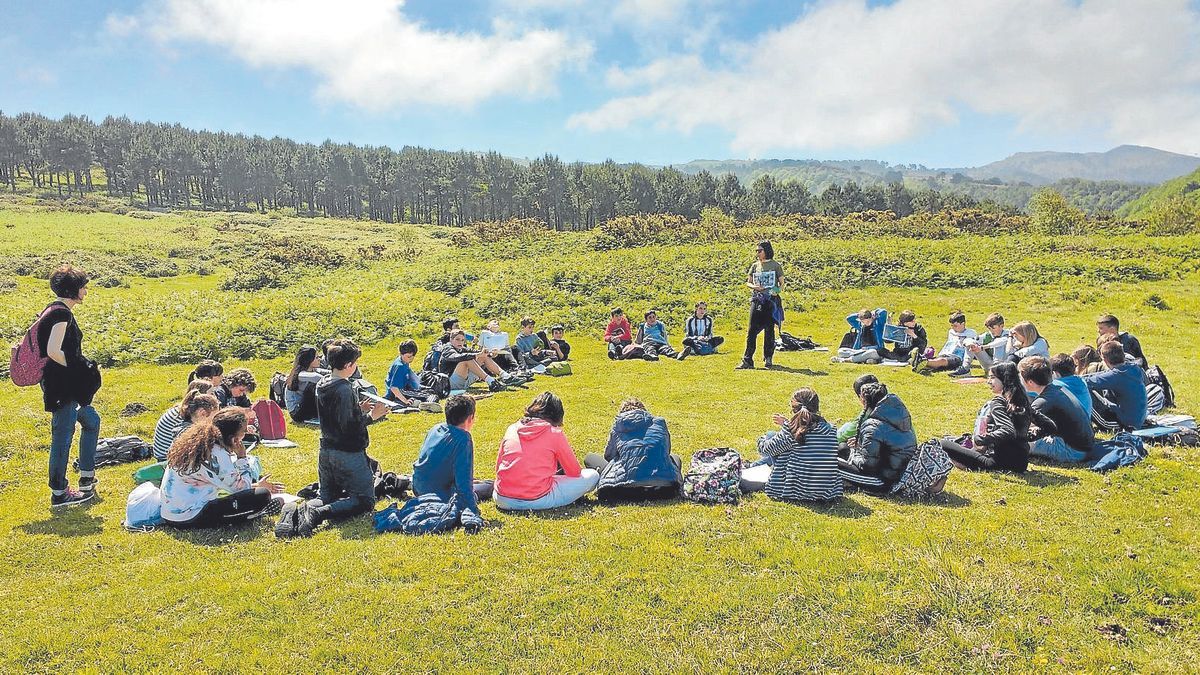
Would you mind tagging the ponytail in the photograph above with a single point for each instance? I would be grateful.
(806, 407)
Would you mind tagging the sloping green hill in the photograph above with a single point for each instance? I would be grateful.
(1185, 188)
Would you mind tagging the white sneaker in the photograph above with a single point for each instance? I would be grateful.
(429, 406)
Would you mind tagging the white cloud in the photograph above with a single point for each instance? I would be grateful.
(367, 52)
(844, 74)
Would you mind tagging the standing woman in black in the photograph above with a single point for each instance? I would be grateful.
(765, 279)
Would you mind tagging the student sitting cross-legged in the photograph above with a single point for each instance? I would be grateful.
(532, 454)
(1063, 431)
(637, 463)
(652, 338)
(953, 353)
(802, 456)
(300, 389)
(209, 481)
(403, 385)
(918, 341)
(1118, 392)
(698, 335)
(557, 342)
(445, 465)
(197, 406)
(864, 342)
(531, 350)
(618, 334)
(883, 444)
(1000, 440)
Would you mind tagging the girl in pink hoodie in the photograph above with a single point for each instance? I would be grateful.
(531, 454)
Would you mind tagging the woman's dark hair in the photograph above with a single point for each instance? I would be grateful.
(342, 352)
(206, 370)
(874, 392)
(546, 406)
(863, 380)
(195, 388)
(67, 280)
(304, 356)
(768, 250)
(806, 412)
(194, 446)
(241, 377)
(1084, 356)
(1011, 389)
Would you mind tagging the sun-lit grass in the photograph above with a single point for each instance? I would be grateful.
(1004, 572)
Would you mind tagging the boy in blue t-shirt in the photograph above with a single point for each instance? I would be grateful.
(403, 385)
(652, 338)
(529, 349)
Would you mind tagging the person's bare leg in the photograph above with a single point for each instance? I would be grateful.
(470, 367)
(488, 364)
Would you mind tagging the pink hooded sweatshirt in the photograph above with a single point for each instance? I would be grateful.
(530, 455)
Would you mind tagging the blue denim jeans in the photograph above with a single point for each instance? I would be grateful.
(1055, 448)
(564, 491)
(62, 432)
(347, 482)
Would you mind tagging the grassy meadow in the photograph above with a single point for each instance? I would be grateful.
(1059, 569)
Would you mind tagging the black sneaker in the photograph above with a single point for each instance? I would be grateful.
(273, 508)
(285, 528)
(745, 365)
(768, 364)
(497, 386)
(612, 356)
(308, 519)
(682, 355)
(70, 497)
(650, 357)
(88, 484)
(960, 372)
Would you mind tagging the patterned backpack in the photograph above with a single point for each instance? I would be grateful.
(928, 466)
(714, 477)
(27, 363)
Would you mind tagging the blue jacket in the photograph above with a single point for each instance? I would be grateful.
(886, 441)
(639, 459)
(427, 514)
(1126, 387)
(445, 467)
(881, 317)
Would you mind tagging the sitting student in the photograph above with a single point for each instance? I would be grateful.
(344, 472)
(1087, 360)
(698, 335)
(884, 443)
(208, 481)
(1109, 325)
(532, 454)
(1026, 341)
(803, 455)
(530, 350)
(953, 353)
(1061, 430)
(618, 334)
(1119, 392)
(466, 367)
(234, 387)
(864, 342)
(652, 338)
(196, 406)
(445, 465)
(991, 347)
(557, 343)
(918, 341)
(300, 389)
(1001, 438)
(1064, 376)
(207, 370)
(637, 463)
(502, 355)
(403, 385)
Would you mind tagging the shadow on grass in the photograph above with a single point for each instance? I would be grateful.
(68, 521)
(946, 500)
(221, 536)
(1039, 478)
(563, 513)
(846, 507)
(799, 371)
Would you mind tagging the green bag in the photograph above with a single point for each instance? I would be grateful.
(558, 368)
(152, 473)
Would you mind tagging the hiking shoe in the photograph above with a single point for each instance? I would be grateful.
(681, 355)
(687, 351)
(70, 497)
(744, 365)
(429, 406)
(769, 364)
(612, 356)
(88, 484)
(308, 519)
(514, 382)
(497, 386)
(960, 372)
(285, 527)
(650, 357)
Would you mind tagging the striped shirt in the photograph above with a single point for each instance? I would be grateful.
(168, 428)
(807, 472)
(698, 327)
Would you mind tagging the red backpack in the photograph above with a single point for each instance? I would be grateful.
(271, 424)
(28, 363)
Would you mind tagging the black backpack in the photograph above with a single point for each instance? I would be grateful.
(1155, 375)
(110, 451)
(278, 384)
(790, 343)
(433, 358)
(435, 383)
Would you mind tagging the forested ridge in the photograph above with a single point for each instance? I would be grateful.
(169, 165)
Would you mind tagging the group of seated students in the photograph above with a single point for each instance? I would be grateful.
(650, 341)
(466, 359)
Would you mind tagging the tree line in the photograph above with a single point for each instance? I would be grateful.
(173, 166)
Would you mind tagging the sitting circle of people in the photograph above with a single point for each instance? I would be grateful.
(1042, 405)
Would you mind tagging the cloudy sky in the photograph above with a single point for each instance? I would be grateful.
(939, 82)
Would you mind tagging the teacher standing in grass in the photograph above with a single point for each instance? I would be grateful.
(765, 280)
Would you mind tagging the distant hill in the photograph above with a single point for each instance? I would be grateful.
(1127, 163)
(1186, 188)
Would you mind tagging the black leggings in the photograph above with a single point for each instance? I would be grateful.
(762, 320)
(235, 508)
(715, 341)
(968, 457)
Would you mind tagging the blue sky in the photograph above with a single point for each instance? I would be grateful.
(657, 81)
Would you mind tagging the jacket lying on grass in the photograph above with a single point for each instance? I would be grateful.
(427, 514)
(445, 467)
(639, 460)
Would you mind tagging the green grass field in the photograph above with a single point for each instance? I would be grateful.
(1056, 569)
